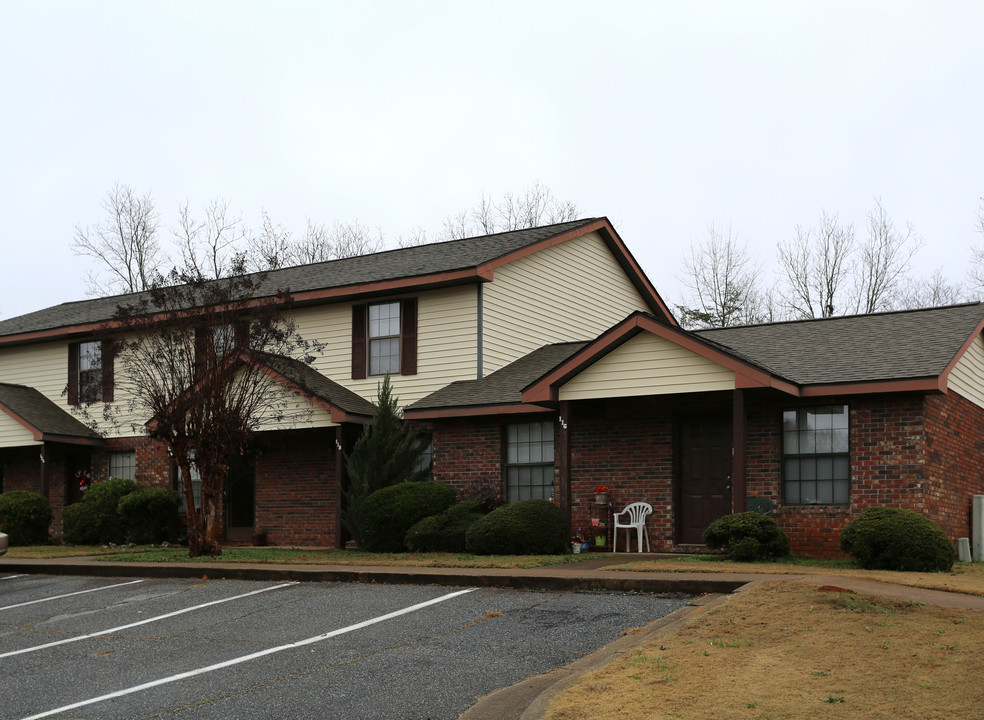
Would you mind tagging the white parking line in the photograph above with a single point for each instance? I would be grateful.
(141, 622)
(252, 656)
(80, 592)
(11, 577)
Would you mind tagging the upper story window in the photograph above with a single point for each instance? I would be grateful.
(90, 372)
(816, 456)
(384, 338)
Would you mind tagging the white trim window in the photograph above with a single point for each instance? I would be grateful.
(529, 461)
(816, 463)
(384, 338)
(123, 465)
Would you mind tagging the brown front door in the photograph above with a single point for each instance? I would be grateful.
(240, 497)
(705, 475)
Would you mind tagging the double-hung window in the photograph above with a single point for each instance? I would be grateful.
(529, 461)
(384, 338)
(816, 456)
(90, 372)
(123, 465)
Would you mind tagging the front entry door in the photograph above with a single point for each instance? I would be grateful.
(705, 476)
(240, 497)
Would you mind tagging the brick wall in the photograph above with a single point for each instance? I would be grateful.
(955, 461)
(468, 452)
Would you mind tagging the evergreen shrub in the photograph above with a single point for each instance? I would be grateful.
(527, 527)
(25, 517)
(890, 538)
(747, 537)
(96, 520)
(387, 514)
(150, 516)
(444, 532)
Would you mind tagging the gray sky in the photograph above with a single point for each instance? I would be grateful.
(664, 116)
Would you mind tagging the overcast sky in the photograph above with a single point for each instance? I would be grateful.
(664, 116)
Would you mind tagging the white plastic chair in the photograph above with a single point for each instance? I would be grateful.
(636, 514)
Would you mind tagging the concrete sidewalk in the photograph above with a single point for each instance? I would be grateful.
(594, 574)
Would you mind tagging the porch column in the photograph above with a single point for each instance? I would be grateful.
(339, 476)
(564, 460)
(738, 451)
(45, 459)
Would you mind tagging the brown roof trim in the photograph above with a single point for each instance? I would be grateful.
(931, 384)
(475, 411)
(945, 377)
(337, 414)
(413, 283)
(546, 389)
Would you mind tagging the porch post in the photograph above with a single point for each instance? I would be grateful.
(45, 459)
(564, 460)
(339, 475)
(738, 451)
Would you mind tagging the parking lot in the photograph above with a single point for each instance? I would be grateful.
(83, 647)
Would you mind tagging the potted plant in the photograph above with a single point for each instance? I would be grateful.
(601, 494)
(577, 542)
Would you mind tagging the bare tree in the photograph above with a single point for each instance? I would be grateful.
(976, 272)
(270, 248)
(533, 207)
(416, 236)
(883, 262)
(342, 240)
(723, 281)
(933, 291)
(191, 355)
(815, 267)
(210, 246)
(125, 245)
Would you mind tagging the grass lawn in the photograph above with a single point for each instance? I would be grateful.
(788, 650)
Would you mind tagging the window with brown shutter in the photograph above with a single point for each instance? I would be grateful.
(384, 338)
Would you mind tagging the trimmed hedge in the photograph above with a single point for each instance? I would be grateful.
(527, 527)
(96, 520)
(890, 538)
(150, 516)
(747, 537)
(25, 517)
(444, 532)
(387, 514)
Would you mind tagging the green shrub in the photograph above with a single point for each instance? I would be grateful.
(387, 514)
(444, 532)
(96, 520)
(25, 517)
(889, 538)
(150, 515)
(747, 537)
(527, 527)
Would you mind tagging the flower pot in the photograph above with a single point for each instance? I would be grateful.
(586, 546)
(601, 498)
(575, 548)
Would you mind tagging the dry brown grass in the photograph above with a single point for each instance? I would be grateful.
(964, 577)
(789, 650)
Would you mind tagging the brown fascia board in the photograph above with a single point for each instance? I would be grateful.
(934, 384)
(35, 432)
(945, 377)
(474, 411)
(40, 436)
(615, 245)
(746, 375)
(337, 414)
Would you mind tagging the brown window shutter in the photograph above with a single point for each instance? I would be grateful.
(73, 373)
(108, 359)
(358, 342)
(408, 337)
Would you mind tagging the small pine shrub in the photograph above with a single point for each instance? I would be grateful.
(25, 517)
(150, 515)
(527, 527)
(96, 520)
(890, 538)
(444, 532)
(387, 514)
(747, 537)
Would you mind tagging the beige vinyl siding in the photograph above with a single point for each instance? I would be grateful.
(967, 376)
(648, 365)
(447, 337)
(13, 434)
(571, 291)
(290, 411)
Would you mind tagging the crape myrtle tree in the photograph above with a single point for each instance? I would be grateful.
(388, 452)
(189, 355)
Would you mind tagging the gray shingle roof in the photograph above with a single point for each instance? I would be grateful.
(320, 386)
(861, 348)
(504, 386)
(40, 412)
(389, 265)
